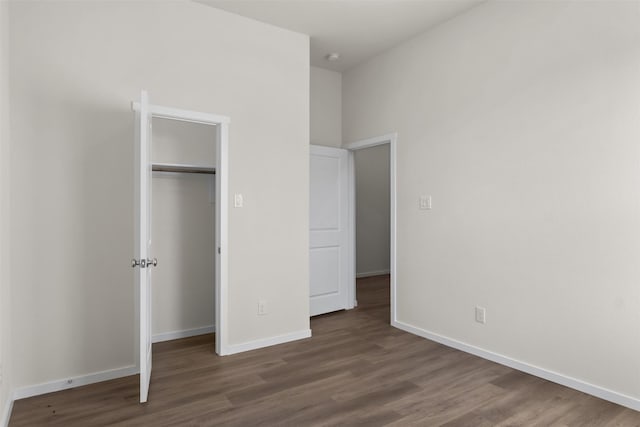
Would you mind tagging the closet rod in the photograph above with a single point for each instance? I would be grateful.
(183, 169)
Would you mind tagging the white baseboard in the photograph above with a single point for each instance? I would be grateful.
(35, 390)
(6, 414)
(266, 342)
(576, 384)
(372, 273)
(175, 335)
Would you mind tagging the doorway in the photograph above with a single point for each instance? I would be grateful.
(183, 225)
(369, 243)
(372, 211)
(143, 260)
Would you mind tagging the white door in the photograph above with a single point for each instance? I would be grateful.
(143, 262)
(328, 222)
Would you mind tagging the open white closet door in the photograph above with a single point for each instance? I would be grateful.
(328, 231)
(143, 169)
(143, 262)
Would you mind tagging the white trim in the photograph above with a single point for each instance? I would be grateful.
(393, 219)
(351, 224)
(186, 333)
(72, 382)
(222, 237)
(161, 112)
(391, 139)
(574, 383)
(267, 342)
(372, 273)
(372, 142)
(6, 414)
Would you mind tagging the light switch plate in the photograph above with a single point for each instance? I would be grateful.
(238, 200)
(425, 202)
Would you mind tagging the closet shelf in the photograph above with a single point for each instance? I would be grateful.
(169, 167)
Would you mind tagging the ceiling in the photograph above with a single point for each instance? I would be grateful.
(356, 29)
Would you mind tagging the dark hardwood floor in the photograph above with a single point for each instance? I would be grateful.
(356, 370)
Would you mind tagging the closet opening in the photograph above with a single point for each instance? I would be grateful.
(183, 218)
(185, 145)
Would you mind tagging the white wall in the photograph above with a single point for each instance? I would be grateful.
(521, 120)
(5, 302)
(76, 67)
(372, 210)
(183, 225)
(326, 107)
(186, 143)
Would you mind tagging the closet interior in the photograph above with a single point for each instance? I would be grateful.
(183, 228)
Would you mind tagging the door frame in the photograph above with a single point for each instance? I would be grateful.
(391, 139)
(221, 124)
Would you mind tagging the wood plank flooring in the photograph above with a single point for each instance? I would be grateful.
(356, 370)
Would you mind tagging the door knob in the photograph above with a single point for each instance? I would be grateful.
(144, 262)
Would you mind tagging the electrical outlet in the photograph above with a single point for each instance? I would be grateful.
(481, 315)
(262, 307)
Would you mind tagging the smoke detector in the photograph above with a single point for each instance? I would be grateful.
(333, 57)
